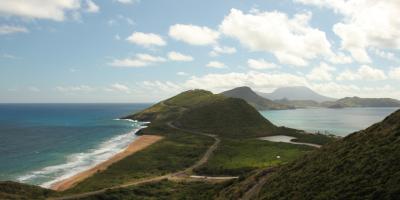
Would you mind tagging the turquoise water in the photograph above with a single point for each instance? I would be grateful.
(44, 143)
(340, 122)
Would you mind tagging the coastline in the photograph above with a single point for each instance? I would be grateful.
(138, 144)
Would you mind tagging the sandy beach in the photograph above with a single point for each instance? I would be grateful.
(138, 144)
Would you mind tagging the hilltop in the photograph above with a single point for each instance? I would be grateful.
(296, 93)
(362, 102)
(201, 110)
(363, 165)
(252, 98)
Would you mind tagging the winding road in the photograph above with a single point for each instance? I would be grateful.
(186, 174)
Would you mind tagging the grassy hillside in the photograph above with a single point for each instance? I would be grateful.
(176, 152)
(12, 190)
(363, 165)
(228, 117)
(236, 157)
(255, 100)
(163, 190)
(170, 109)
(201, 110)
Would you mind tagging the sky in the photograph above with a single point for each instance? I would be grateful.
(74, 51)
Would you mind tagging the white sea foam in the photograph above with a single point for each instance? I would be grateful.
(78, 162)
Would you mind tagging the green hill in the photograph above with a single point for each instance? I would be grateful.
(204, 111)
(363, 165)
(229, 117)
(252, 98)
(362, 102)
(170, 109)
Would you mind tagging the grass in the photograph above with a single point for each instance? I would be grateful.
(176, 152)
(228, 117)
(237, 157)
(163, 190)
(12, 190)
(363, 165)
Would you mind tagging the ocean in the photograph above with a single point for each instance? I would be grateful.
(339, 122)
(43, 143)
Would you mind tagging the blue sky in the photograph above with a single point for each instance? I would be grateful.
(144, 51)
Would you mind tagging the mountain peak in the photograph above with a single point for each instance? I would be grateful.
(296, 93)
(251, 97)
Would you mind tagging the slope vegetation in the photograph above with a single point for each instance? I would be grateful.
(13, 190)
(363, 165)
(203, 111)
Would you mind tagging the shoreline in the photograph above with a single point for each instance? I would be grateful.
(138, 144)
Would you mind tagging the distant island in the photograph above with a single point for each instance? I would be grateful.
(298, 93)
(302, 97)
(362, 102)
(211, 146)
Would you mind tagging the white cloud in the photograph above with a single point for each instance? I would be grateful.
(146, 39)
(394, 73)
(92, 7)
(118, 87)
(216, 64)
(120, 18)
(366, 23)
(182, 74)
(348, 75)
(340, 58)
(140, 60)
(349, 90)
(162, 89)
(265, 82)
(365, 72)
(175, 56)
(260, 64)
(321, 73)
(220, 82)
(39, 9)
(128, 1)
(6, 29)
(386, 55)
(217, 50)
(257, 80)
(194, 35)
(72, 89)
(292, 40)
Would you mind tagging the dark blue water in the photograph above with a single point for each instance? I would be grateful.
(339, 122)
(41, 143)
